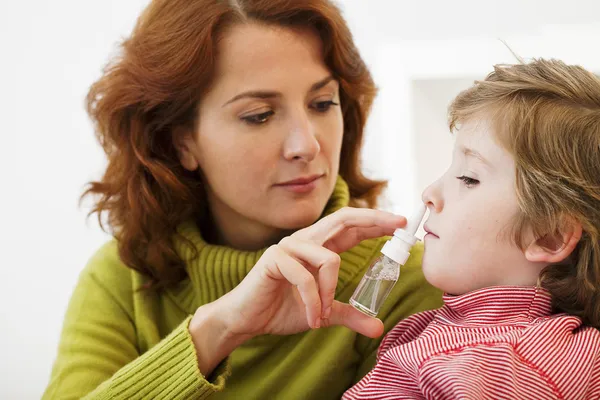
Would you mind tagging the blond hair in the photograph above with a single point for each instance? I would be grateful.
(547, 115)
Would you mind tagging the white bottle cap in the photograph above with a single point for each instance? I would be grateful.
(398, 247)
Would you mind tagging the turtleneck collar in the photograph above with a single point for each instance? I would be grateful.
(497, 305)
(218, 269)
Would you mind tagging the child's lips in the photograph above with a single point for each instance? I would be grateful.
(430, 232)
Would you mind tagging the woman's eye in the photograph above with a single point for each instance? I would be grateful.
(469, 182)
(323, 106)
(257, 119)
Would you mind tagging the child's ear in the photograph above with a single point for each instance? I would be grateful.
(555, 248)
(183, 140)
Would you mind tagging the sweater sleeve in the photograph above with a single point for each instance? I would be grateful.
(98, 356)
(411, 294)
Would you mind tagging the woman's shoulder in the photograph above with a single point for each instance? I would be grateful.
(106, 270)
(106, 262)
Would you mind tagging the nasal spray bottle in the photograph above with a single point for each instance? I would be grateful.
(378, 281)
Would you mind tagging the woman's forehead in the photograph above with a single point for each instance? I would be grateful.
(264, 54)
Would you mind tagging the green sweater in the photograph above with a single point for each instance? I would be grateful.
(120, 342)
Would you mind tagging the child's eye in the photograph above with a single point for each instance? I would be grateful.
(469, 182)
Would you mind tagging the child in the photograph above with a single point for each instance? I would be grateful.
(513, 239)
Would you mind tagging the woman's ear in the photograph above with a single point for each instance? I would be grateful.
(555, 248)
(183, 140)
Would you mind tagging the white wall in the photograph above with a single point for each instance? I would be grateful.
(50, 52)
(421, 54)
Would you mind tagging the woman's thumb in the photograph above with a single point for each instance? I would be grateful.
(350, 317)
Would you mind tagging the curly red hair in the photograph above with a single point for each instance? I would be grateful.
(154, 86)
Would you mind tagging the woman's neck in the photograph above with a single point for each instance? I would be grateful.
(248, 237)
(232, 230)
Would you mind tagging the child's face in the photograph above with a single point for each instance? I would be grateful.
(468, 245)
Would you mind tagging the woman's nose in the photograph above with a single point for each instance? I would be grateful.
(301, 142)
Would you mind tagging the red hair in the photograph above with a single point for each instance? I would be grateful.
(154, 86)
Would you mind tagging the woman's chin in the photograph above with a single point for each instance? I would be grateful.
(298, 218)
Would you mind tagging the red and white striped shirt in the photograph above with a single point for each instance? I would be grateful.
(493, 343)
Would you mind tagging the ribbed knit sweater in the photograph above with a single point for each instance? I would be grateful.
(122, 342)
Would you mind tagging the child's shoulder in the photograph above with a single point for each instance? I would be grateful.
(408, 329)
(560, 336)
(564, 325)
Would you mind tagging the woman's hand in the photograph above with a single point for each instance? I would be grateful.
(292, 286)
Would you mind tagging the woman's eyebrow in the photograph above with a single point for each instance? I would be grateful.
(269, 94)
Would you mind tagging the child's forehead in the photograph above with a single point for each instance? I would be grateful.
(475, 132)
(477, 138)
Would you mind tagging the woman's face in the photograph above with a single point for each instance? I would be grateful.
(269, 133)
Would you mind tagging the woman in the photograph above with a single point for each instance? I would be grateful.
(233, 132)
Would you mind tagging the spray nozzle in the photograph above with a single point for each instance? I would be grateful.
(399, 246)
(414, 221)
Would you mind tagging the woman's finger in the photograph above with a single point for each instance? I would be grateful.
(325, 261)
(283, 266)
(354, 236)
(350, 317)
(330, 226)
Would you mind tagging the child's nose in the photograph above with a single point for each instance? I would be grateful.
(432, 197)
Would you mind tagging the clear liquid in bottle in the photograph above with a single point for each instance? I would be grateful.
(378, 281)
(375, 286)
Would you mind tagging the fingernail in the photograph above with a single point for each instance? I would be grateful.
(318, 323)
(327, 313)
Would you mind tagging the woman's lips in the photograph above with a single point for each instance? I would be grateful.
(301, 185)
